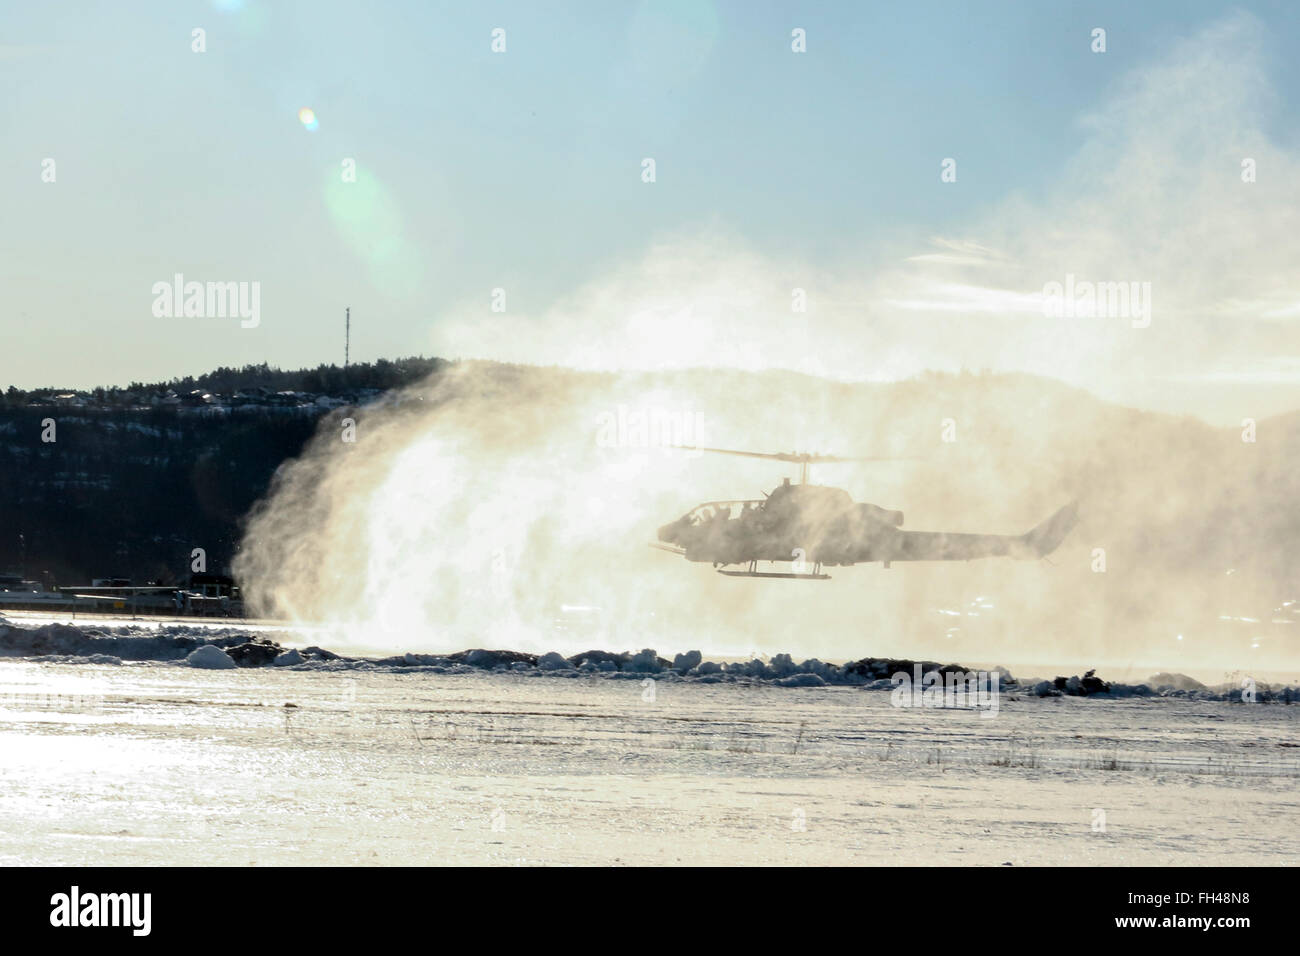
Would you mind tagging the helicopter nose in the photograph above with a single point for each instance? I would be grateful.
(668, 533)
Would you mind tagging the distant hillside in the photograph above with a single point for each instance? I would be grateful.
(139, 476)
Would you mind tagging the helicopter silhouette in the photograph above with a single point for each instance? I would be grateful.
(812, 526)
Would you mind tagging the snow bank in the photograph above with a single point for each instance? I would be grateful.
(103, 643)
(232, 647)
(1175, 682)
(210, 657)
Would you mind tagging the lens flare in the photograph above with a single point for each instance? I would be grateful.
(307, 117)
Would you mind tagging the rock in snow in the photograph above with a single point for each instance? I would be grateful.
(288, 658)
(553, 662)
(254, 653)
(646, 662)
(684, 662)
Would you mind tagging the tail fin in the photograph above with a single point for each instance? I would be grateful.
(1047, 537)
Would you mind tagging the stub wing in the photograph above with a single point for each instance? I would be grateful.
(944, 546)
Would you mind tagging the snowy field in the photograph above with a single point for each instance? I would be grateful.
(160, 763)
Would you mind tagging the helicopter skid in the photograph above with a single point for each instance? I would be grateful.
(753, 572)
(789, 575)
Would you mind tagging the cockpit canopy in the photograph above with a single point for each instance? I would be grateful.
(719, 511)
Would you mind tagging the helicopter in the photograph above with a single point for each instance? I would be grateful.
(815, 526)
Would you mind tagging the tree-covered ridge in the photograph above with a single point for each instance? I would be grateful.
(332, 380)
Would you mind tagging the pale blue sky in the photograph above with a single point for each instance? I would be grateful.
(522, 170)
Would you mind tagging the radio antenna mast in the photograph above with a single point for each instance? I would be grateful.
(347, 334)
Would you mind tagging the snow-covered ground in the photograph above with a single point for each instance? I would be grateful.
(148, 622)
(160, 763)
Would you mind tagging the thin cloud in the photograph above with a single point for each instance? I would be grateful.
(1155, 195)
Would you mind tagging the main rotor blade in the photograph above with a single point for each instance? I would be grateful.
(798, 458)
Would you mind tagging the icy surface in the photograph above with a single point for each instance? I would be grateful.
(154, 763)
